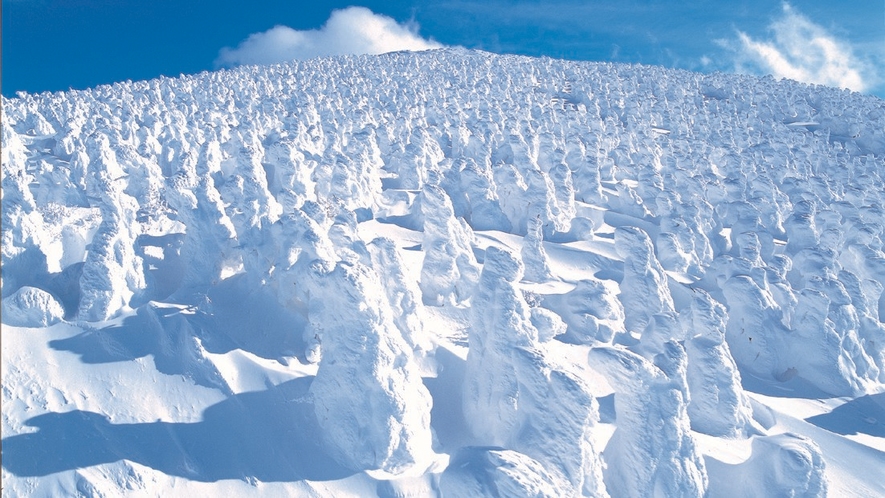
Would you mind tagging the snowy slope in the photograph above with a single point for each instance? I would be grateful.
(447, 273)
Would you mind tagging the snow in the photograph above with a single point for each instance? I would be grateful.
(32, 307)
(449, 272)
(652, 425)
(446, 273)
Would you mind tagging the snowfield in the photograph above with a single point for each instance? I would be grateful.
(447, 273)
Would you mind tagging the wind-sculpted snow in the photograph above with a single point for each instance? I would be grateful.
(644, 290)
(718, 405)
(781, 465)
(495, 472)
(591, 312)
(361, 222)
(512, 396)
(653, 425)
(32, 307)
(368, 396)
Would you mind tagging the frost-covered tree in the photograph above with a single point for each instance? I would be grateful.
(534, 257)
(368, 397)
(112, 273)
(652, 452)
(780, 465)
(718, 404)
(513, 397)
(644, 289)
(449, 271)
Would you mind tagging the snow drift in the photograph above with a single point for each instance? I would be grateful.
(450, 273)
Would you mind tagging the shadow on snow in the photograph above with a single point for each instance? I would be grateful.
(234, 316)
(862, 415)
(269, 435)
(164, 333)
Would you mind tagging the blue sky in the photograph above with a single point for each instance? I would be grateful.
(61, 44)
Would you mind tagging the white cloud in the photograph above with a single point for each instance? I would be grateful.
(354, 30)
(804, 51)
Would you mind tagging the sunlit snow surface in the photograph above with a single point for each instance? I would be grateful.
(444, 274)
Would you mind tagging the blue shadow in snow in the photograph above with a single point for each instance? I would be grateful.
(607, 413)
(269, 435)
(446, 414)
(235, 317)
(164, 333)
(864, 415)
(136, 336)
(796, 387)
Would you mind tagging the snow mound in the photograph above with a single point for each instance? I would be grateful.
(781, 465)
(590, 310)
(498, 472)
(31, 307)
